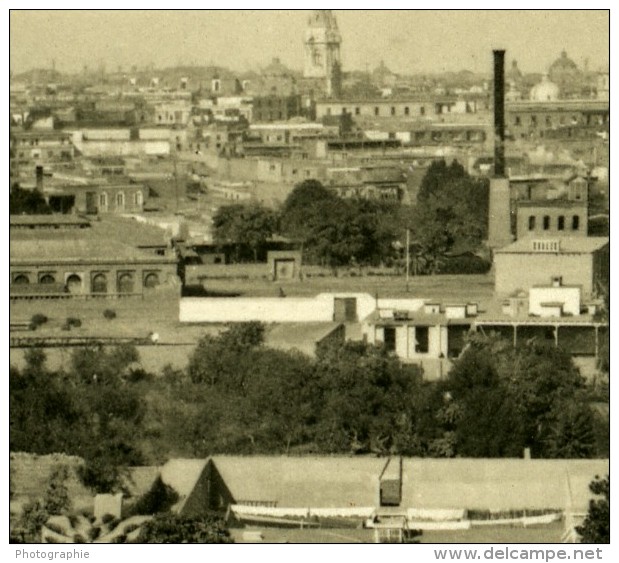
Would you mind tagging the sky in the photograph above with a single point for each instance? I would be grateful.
(408, 41)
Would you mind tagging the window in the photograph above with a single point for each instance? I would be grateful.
(47, 278)
(422, 110)
(139, 199)
(103, 200)
(74, 283)
(548, 121)
(120, 200)
(125, 283)
(357, 111)
(407, 110)
(390, 338)
(99, 283)
(21, 279)
(546, 222)
(533, 120)
(151, 280)
(422, 340)
(575, 223)
(532, 223)
(328, 111)
(376, 110)
(517, 120)
(392, 110)
(560, 223)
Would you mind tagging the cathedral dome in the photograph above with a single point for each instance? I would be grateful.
(544, 91)
(563, 65)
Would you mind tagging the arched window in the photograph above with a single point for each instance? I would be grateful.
(546, 222)
(74, 283)
(99, 283)
(139, 199)
(561, 223)
(103, 201)
(21, 279)
(575, 223)
(531, 222)
(47, 278)
(151, 280)
(125, 283)
(120, 200)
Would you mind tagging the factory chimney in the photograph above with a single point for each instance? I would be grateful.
(499, 113)
(499, 216)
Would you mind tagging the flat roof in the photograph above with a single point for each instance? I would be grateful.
(575, 245)
(28, 220)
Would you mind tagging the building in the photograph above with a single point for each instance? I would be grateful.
(536, 119)
(43, 147)
(102, 259)
(551, 218)
(322, 52)
(531, 261)
(275, 107)
(420, 107)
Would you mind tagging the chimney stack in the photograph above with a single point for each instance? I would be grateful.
(499, 113)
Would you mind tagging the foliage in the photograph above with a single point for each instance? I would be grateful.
(158, 499)
(37, 320)
(596, 526)
(27, 202)
(337, 232)
(451, 213)
(508, 399)
(172, 528)
(57, 499)
(109, 314)
(244, 225)
(79, 414)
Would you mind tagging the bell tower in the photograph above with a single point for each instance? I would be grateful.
(322, 48)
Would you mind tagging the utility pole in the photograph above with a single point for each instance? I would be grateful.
(408, 257)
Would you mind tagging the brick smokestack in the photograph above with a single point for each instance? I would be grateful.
(499, 113)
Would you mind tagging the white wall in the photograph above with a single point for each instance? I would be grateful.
(569, 296)
(269, 309)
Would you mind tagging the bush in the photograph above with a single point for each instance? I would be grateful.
(73, 322)
(109, 314)
(37, 320)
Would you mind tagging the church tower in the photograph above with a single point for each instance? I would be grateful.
(322, 49)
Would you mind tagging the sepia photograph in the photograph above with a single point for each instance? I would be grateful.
(314, 276)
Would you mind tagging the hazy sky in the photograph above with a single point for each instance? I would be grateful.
(408, 41)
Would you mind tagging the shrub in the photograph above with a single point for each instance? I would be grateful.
(109, 314)
(37, 320)
(73, 322)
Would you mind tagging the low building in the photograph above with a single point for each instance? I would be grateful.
(582, 261)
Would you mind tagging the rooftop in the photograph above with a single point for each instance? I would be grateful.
(567, 245)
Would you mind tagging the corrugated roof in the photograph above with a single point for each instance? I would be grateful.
(582, 245)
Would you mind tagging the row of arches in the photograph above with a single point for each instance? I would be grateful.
(125, 281)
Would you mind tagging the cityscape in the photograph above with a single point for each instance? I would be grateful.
(347, 282)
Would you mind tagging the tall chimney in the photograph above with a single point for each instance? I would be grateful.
(39, 177)
(499, 113)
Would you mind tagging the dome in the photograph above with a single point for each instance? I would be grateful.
(563, 64)
(544, 91)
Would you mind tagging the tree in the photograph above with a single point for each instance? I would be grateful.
(451, 212)
(173, 528)
(508, 399)
(27, 202)
(596, 527)
(249, 225)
